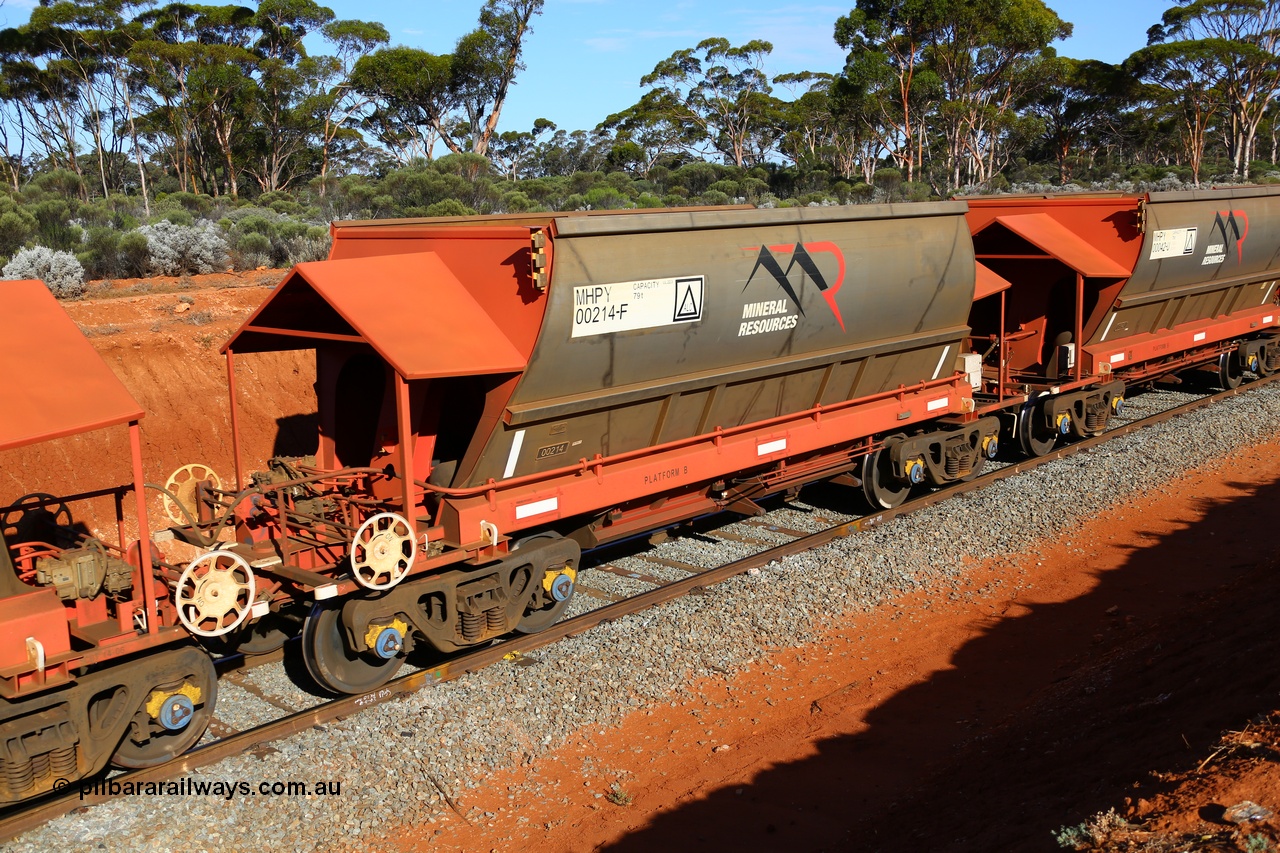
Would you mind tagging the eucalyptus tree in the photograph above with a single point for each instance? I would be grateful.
(333, 98)
(886, 42)
(41, 102)
(830, 123)
(1076, 95)
(486, 62)
(416, 98)
(651, 129)
(408, 98)
(720, 90)
(1243, 37)
(513, 152)
(983, 52)
(1184, 77)
(65, 56)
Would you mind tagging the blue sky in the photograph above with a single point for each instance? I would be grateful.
(585, 58)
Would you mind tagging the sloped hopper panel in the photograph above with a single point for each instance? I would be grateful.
(1053, 238)
(987, 282)
(54, 382)
(410, 308)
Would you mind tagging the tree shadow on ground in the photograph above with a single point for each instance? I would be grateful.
(1050, 715)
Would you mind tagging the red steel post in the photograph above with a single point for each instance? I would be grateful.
(235, 421)
(144, 531)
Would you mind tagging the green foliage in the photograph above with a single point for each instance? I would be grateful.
(236, 120)
(16, 228)
(448, 207)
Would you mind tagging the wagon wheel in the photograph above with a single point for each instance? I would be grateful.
(171, 720)
(554, 593)
(34, 518)
(1034, 438)
(1230, 370)
(214, 594)
(182, 484)
(382, 551)
(881, 488)
(333, 663)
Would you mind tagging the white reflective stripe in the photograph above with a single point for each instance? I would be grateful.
(1269, 319)
(940, 403)
(329, 590)
(514, 455)
(537, 507)
(260, 609)
(771, 447)
(941, 361)
(1117, 358)
(1200, 336)
(1270, 288)
(1107, 330)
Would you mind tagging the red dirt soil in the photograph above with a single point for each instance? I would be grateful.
(1094, 676)
(1098, 675)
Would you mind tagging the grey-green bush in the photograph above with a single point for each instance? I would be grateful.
(59, 270)
(179, 249)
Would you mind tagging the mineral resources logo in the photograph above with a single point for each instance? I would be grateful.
(802, 256)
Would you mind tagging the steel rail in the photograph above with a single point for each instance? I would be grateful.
(42, 810)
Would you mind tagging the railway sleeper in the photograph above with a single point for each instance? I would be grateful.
(525, 591)
(134, 713)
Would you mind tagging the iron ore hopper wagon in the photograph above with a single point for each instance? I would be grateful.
(497, 394)
(95, 666)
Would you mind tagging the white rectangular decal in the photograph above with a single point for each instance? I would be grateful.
(1117, 358)
(1173, 243)
(600, 309)
(514, 455)
(537, 507)
(1268, 320)
(940, 403)
(941, 360)
(771, 447)
(1200, 336)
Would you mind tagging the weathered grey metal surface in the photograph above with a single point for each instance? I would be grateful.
(1205, 254)
(762, 313)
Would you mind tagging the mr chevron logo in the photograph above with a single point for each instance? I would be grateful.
(1229, 223)
(802, 256)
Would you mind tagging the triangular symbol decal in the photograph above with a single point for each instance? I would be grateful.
(688, 300)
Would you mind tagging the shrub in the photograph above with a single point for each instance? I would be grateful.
(100, 257)
(16, 228)
(449, 207)
(178, 217)
(312, 245)
(59, 270)
(177, 249)
(134, 254)
(605, 198)
(253, 250)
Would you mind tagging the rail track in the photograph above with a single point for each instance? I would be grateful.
(230, 742)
